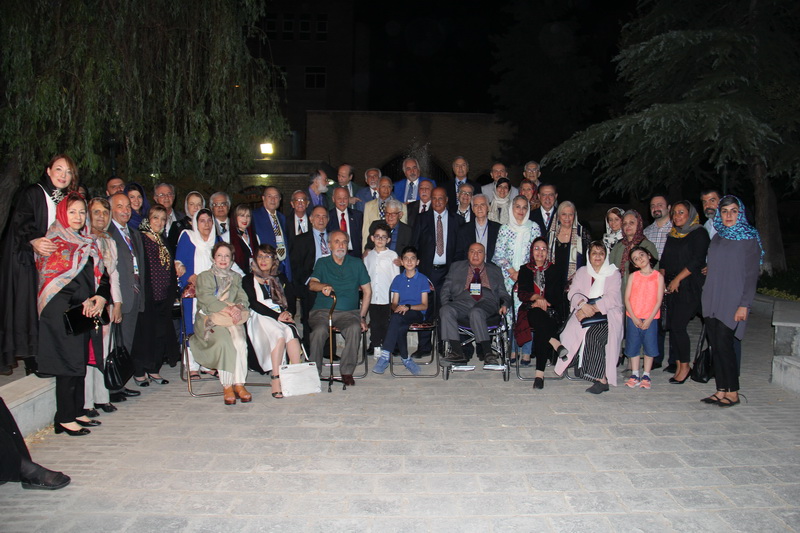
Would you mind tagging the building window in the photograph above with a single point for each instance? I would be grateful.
(288, 28)
(271, 25)
(322, 28)
(315, 77)
(304, 33)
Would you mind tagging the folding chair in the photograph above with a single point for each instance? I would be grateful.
(330, 365)
(430, 324)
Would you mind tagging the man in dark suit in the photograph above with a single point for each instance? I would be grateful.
(131, 269)
(435, 235)
(453, 187)
(423, 204)
(307, 248)
(347, 219)
(479, 229)
(485, 296)
(544, 216)
(345, 176)
(401, 235)
(164, 194)
(297, 221)
(370, 192)
(270, 226)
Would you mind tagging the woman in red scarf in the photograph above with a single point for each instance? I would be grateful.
(68, 277)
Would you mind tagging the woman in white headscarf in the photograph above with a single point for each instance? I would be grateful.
(613, 232)
(500, 209)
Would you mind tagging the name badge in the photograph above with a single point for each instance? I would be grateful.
(474, 289)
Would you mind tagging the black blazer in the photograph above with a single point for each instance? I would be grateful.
(466, 237)
(404, 236)
(536, 217)
(425, 239)
(356, 221)
(413, 211)
(125, 267)
(304, 254)
(452, 194)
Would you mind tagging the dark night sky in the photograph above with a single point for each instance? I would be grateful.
(426, 56)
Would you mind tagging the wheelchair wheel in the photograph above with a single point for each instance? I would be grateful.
(446, 372)
(507, 372)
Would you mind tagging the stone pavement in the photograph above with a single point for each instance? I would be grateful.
(470, 454)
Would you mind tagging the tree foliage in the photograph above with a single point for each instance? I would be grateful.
(712, 87)
(174, 82)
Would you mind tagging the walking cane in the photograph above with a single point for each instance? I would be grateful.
(331, 340)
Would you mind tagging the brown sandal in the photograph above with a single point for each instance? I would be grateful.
(242, 393)
(228, 395)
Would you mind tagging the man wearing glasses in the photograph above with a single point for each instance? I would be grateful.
(400, 235)
(460, 170)
(221, 206)
(165, 196)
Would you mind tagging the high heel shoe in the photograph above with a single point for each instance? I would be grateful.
(157, 379)
(87, 423)
(71, 432)
(277, 395)
(144, 382)
(228, 396)
(678, 381)
(242, 393)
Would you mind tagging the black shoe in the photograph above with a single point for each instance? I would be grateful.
(144, 382)
(598, 387)
(44, 479)
(106, 407)
(71, 432)
(657, 365)
(491, 360)
(92, 413)
(538, 383)
(117, 397)
(419, 354)
(454, 359)
(671, 368)
(679, 382)
(562, 353)
(88, 423)
(129, 392)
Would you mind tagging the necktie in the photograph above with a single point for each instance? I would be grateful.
(547, 220)
(410, 194)
(222, 227)
(439, 236)
(476, 278)
(323, 246)
(343, 224)
(276, 229)
(374, 194)
(380, 209)
(129, 242)
(424, 208)
(300, 227)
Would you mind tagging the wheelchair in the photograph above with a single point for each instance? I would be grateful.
(499, 336)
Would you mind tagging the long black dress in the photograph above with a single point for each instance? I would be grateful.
(19, 318)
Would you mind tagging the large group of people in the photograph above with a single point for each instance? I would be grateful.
(391, 253)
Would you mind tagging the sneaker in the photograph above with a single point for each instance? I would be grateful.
(645, 384)
(411, 366)
(633, 382)
(381, 365)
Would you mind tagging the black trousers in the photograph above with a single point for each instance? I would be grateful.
(378, 322)
(726, 369)
(544, 328)
(437, 278)
(680, 313)
(69, 398)
(12, 446)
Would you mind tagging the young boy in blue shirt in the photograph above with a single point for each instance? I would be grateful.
(409, 302)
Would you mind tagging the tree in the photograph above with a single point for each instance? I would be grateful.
(173, 81)
(713, 91)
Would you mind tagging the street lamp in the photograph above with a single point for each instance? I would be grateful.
(267, 149)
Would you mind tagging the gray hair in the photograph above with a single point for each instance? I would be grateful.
(220, 193)
(532, 163)
(334, 232)
(162, 184)
(380, 174)
(480, 195)
(314, 175)
(394, 204)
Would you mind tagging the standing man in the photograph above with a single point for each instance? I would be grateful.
(532, 173)
(423, 204)
(270, 226)
(345, 175)
(400, 236)
(376, 209)
(710, 200)
(480, 229)
(114, 185)
(348, 220)
(407, 190)
(307, 249)
(435, 235)
(460, 169)
(344, 275)
(498, 171)
(658, 231)
(370, 192)
(474, 292)
(298, 221)
(544, 216)
(463, 207)
(130, 266)
(164, 195)
(221, 206)
(317, 187)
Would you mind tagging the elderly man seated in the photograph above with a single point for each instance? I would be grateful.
(472, 293)
(342, 274)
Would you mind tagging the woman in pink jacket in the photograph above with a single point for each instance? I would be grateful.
(595, 292)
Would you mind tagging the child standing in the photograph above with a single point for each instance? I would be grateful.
(381, 267)
(409, 303)
(643, 295)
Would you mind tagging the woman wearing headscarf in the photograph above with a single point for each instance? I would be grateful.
(500, 208)
(632, 236)
(220, 341)
(243, 237)
(681, 265)
(96, 394)
(613, 232)
(71, 276)
(734, 260)
(270, 327)
(539, 288)
(24, 240)
(139, 204)
(595, 290)
(194, 202)
(155, 339)
(567, 243)
(512, 251)
(194, 255)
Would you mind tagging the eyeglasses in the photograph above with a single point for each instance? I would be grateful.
(300, 200)
(380, 237)
(222, 204)
(165, 195)
(540, 248)
(394, 213)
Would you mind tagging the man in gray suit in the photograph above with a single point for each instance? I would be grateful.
(130, 265)
(472, 292)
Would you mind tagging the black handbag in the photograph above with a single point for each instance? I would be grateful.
(119, 364)
(597, 318)
(703, 365)
(76, 323)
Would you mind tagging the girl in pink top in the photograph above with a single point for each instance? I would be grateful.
(643, 295)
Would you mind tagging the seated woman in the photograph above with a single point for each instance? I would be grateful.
(540, 290)
(270, 327)
(595, 290)
(219, 338)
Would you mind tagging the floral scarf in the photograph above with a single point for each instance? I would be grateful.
(692, 225)
(741, 231)
(575, 246)
(637, 239)
(163, 253)
(273, 285)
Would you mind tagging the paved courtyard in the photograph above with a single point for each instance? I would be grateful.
(471, 454)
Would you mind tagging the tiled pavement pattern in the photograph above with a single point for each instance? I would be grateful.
(471, 454)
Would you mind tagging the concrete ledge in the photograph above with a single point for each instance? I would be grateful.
(763, 305)
(786, 372)
(32, 401)
(786, 321)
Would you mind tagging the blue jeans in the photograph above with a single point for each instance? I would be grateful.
(635, 338)
(397, 329)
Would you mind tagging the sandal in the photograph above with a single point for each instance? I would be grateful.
(212, 373)
(727, 402)
(525, 362)
(194, 376)
(277, 395)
